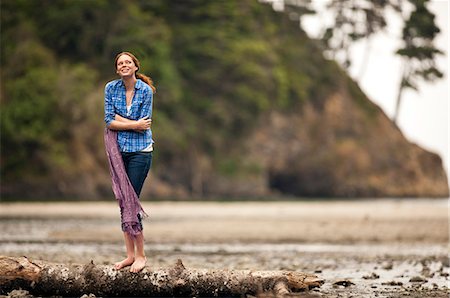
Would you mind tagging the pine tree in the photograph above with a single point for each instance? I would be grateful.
(418, 52)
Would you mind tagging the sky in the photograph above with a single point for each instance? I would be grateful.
(424, 115)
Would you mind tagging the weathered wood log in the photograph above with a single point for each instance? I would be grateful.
(43, 278)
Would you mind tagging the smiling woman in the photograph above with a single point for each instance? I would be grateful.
(129, 146)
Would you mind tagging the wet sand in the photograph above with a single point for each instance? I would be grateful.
(386, 248)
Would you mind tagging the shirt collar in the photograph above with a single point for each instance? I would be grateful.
(137, 85)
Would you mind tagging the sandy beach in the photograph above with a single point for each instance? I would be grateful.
(385, 247)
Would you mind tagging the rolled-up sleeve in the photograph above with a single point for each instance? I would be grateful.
(109, 106)
(147, 104)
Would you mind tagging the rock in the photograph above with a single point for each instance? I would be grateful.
(418, 279)
(343, 282)
(289, 168)
(387, 266)
(392, 283)
(371, 276)
(445, 261)
(426, 272)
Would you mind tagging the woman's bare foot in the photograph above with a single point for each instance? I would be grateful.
(124, 263)
(138, 265)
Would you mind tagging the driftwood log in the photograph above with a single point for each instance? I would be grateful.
(43, 278)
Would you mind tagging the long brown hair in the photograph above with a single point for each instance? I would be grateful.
(141, 76)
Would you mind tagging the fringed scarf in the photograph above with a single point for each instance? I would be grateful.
(123, 189)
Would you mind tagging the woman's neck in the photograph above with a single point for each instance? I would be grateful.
(129, 82)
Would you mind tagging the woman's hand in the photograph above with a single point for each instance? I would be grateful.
(143, 124)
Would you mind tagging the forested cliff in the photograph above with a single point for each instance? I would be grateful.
(246, 105)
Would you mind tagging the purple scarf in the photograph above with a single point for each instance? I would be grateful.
(127, 198)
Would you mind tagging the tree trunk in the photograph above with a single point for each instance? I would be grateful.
(397, 104)
(365, 60)
(42, 278)
(401, 87)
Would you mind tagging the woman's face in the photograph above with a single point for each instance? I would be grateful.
(125, 66)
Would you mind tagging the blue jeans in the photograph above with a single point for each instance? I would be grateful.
(137, 166)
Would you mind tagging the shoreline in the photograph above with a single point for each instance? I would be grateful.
(387, 221)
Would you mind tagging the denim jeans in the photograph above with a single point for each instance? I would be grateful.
(137, 166)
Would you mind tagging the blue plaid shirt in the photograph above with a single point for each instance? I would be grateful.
(141, 106)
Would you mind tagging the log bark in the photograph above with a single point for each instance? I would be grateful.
(43, 278)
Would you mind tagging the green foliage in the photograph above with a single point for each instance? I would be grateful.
(42, 106)
(218, 66)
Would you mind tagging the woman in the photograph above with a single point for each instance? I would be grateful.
(129, 146)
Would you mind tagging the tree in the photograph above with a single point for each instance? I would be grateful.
(355, 20)
(42, 278)
(418, 52)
